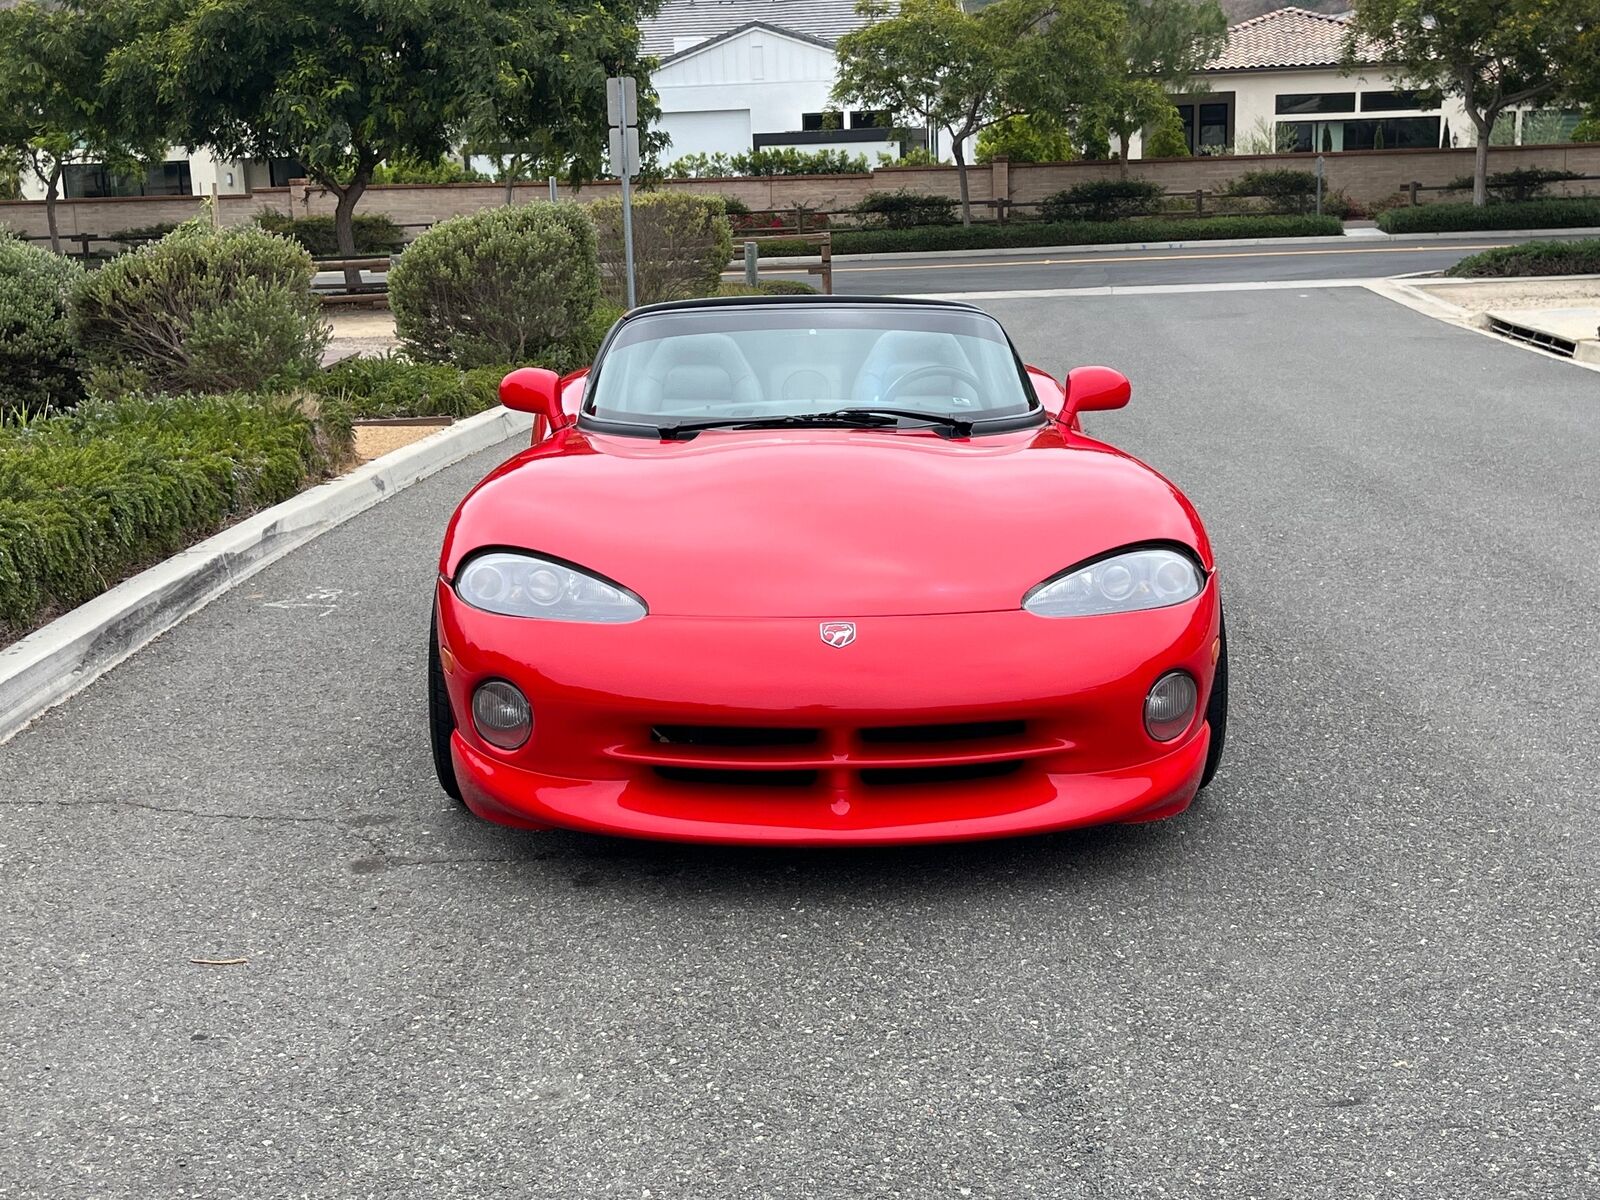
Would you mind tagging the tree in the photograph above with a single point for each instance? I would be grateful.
(1494, 54)
(1025, 140)
(56, 112)
(1164, 42)
(343, 85)
(966, 72)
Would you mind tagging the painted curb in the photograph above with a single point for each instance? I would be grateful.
(53, 663)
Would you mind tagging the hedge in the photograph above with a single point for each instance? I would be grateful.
(1573, 212)
(1534, 258)
(38, 355)
(91, 496)
(1103, 200)
(375, 233)
(1065, 233)
(390, 386)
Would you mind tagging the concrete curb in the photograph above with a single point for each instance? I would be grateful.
(1417, 295)
(777, 264)
(53, 663)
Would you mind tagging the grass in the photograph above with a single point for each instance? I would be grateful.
(1534, 258)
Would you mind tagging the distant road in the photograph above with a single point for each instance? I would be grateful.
(1030, 270)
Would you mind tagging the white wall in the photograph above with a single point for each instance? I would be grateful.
(204, 169)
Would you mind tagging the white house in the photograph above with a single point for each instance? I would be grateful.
(738, 75)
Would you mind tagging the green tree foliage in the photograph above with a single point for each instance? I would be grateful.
(772, 160)
(201, 310)
(1494, 54)
(38, 357)
(1588, 129)
(932, 62)
(344, 85)
(681, 245)
(509, 285)
(1025, 139)
(54, 107)
(1164, 138)
(1164, 42)
(375, 233)
(438, 170)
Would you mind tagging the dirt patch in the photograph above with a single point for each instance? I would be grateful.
(1518, 293)
(370, 332)
(374, 441)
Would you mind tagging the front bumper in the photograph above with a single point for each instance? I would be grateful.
(753, 730)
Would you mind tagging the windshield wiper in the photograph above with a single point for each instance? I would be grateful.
(839, 418)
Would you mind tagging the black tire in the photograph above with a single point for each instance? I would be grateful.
(1217, 710)
(441, 718)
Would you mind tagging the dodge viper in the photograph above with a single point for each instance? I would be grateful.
(821, 570)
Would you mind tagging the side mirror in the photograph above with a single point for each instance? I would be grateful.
(535, 390)
(1092, 389)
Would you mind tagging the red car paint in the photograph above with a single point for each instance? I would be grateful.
(951, 713)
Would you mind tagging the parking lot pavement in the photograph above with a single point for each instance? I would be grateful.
(1363, 965)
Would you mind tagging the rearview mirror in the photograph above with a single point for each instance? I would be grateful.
(535, 390)
(1091, 389)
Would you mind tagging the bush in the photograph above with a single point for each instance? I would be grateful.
(499, 286)
(1283, 188)
(201, 310)
(390, 386)
(1534, 258)
(1166, 137)
(1022, 139)
(1103, 200)
(1570, 212)
(682, 244)
(779, 160)
(904, 208)
(38, 356)
(441, 170)
(139, 234)
(1588, 129)
(735, 207)
(88, 497)
(375, 233)
(1515, 187)
(768, 287)
(932, 238)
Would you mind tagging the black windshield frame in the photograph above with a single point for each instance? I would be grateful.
(920, 315)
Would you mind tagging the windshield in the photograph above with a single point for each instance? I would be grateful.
(741, 365)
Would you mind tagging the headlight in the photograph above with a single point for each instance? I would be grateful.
(1128, 582)
(524, 585)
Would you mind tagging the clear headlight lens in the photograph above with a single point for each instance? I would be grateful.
(525, 585)
(1127, 582)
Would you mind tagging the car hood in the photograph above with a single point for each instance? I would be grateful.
(823, 523)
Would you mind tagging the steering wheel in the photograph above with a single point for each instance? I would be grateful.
(948, 372)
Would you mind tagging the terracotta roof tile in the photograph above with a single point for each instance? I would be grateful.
(1286, 37)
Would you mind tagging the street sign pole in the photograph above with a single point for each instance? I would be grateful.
(1322, 166)
(622, 114)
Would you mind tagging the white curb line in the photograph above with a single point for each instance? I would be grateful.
(53, 663)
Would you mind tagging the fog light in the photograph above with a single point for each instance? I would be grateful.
(1169, 708)
(501, 714)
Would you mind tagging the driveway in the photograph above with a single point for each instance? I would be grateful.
(1363, 965)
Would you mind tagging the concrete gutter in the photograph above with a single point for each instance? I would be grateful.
(1420, 295)
(53, 663)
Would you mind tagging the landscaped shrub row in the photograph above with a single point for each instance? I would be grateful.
(1534, 258)
(88, 497)
(375, 233)
(1575, 212)
(1064, 233)
(393, 387)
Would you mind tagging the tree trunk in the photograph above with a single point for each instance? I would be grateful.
(51, 191)
(511, 186)
(344, 229)
(1480, 158)
(960, 153)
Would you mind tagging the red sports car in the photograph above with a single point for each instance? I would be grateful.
(819, 570)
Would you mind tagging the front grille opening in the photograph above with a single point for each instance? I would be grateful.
(954, 773)
(737, 778)
(966, 731)
(731, 735)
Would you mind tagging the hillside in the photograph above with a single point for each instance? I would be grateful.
(1243, 10)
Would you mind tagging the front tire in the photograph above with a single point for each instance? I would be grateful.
(441, 718)
(1217, 708)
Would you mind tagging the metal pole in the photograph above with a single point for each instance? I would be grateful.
(627, 224)
(552, 189)
(752, 259)
(1322, 165)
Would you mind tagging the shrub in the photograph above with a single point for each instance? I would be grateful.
(1075, 233)
(1569, 212)
(1515, 187)
(440, 170)
(390, 386)
(904, 208)
(201, 310)
(88, 497)
(1022, 139)
(776, 160)
(1282, 188)
(735, 207)
(38, 357)
(1534, 258)
(139, 234)
(498, 286)
(376, 233)
(1103, 200)
(1166, 138)
(1588, 129)
(682, 244)
(768, 287)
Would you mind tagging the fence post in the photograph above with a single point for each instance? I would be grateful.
(827, 264)
(1199, 202)
(1415, 184)
(752, 263)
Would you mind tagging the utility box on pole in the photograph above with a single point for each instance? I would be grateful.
(622, 114)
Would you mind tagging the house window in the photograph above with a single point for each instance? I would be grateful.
(88, 181)
(814, 121)
(871, 118)
(1386, 133)
(281, 170)
(1317, 102)
(1397, 100)
(1207, 122)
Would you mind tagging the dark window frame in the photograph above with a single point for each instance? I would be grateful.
(1307, 104)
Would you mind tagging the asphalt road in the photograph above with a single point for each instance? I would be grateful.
(1353, 257)
(1364, 965)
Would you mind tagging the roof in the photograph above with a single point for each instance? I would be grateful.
(821, 20)
(1284, 38)
(687, 51)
